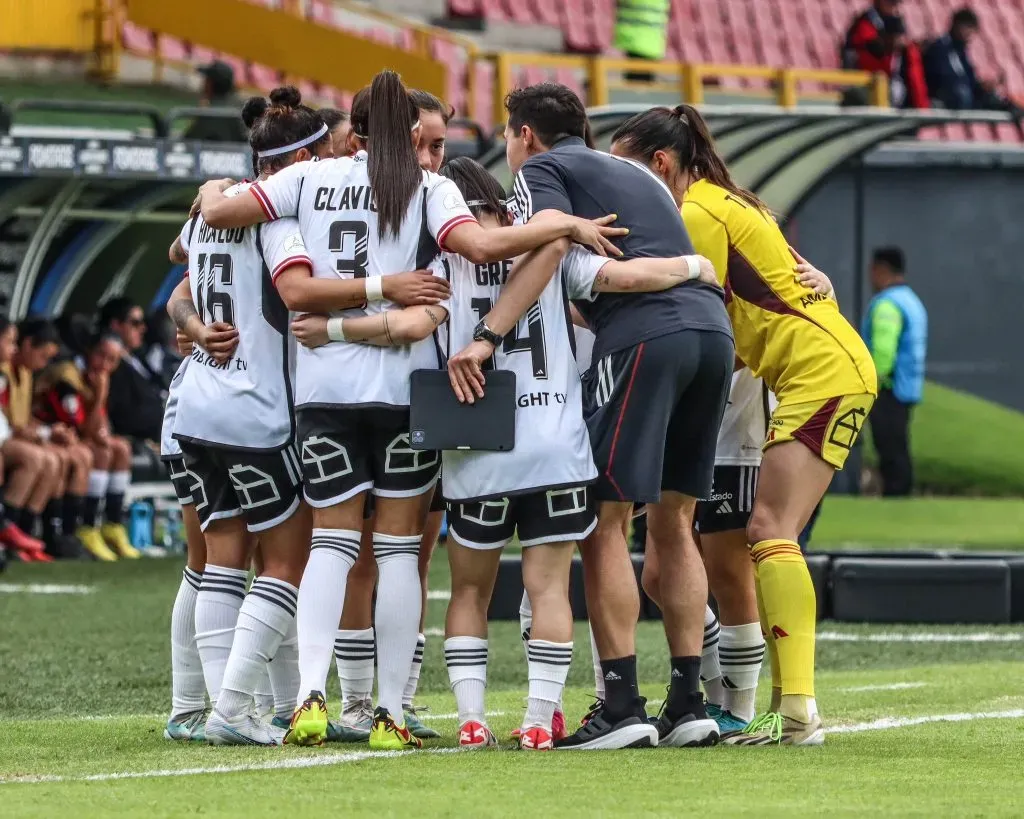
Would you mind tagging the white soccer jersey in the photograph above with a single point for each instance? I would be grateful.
(338, 218)
(247, 402)
(745, 421)
(552, 445)
(169, 447)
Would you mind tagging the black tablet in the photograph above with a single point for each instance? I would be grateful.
(438, 421)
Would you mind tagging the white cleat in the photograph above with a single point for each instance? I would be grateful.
(244, 729)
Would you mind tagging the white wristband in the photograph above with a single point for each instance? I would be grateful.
(374, 288)
(693, 265)
(336, 329)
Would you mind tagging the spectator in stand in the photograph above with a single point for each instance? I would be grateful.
(641, 32)
(136, 402)
(29, 475)
(218, 92)
(160, 344)
(877, 42)
(75, 393)
(952, 81)
(896, 331)
(341, 126)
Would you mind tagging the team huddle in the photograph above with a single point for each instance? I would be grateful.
(722, 390)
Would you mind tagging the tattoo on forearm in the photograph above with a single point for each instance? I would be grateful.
(181, 311)
(602, 280)
(434, 317)
(387, 330)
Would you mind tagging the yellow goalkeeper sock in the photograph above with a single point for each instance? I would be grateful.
(786, 594)
(769, 639)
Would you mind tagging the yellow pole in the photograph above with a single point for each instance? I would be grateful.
(880, 90)
(502, 83)
(785, 90)
(691, 82)
(597, 81)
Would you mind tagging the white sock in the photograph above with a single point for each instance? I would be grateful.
(188, 690)
(397, 615)
(332, 554)
(119, 482)
(549, 666)
(97, 489)
(742, 652)
(596, 659)
(220, 597)
(414, 675)
(525, 619)
(354, 653)
(263, 621)
(466, 658)
(263, 695)
(284, 673)
(710, 670)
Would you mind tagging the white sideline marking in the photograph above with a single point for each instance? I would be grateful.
(439, 594)
(322, 760)
(455, 715)
(433, 631)
(886, 723)
(886, 687)
(44, 588)
(921, 637)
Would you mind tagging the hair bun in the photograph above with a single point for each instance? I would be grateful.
(254, 108)
(287, 95)
(679, 111)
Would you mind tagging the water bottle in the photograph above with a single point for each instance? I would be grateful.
(174, 540)
(140, 526)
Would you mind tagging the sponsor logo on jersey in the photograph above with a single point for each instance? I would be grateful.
(294, 244)
(452, 202)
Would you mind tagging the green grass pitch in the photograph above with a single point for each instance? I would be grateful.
(928, 722)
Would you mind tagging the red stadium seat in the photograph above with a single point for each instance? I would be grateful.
(931, 134)
(465, 8)
(264, 78)
(955, 132)
(481, 107)
(493, 10)
(545, 11)
(1005, 132)
(136, 40)
(198, 54)
(578, 34)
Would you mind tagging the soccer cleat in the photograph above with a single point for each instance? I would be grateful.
(536, 739)
(354, 725)
(416, 725)
(116, 537)
(474, 735)
(15, 539)
(727, 721)
(94, 543)
(284, 723)
(596, 707)
(558, 729)
(190, 727)
(388, 735)
(244, 729)
(601, 732)
(309, 722)
(687, 731)
(775, 729)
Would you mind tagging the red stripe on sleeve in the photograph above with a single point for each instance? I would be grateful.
(446, 228)
(291, 260)
(265, 203)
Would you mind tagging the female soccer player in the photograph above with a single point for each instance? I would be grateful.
(235, 426)
(367, 218)
(807, 354)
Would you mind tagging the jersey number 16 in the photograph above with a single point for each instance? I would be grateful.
(213, 304)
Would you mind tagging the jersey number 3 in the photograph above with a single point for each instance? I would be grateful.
(213, 304)
(349, 239)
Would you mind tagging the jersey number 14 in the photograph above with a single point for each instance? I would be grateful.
(531, 341)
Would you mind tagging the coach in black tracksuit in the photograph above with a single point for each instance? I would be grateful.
(653, 400)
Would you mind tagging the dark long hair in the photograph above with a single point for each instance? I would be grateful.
(278, 122)
(483, 193)
(425, 101)
(392, 165)
(683, 131)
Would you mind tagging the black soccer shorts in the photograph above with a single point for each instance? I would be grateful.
(180, 478)
(731, 500)
(263, 487)
(348, 451)
(653, 412)
(548, 516)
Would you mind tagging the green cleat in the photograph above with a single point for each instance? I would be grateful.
(190, 727)
(416, 726)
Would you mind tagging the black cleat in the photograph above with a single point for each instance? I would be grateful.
(605, 732)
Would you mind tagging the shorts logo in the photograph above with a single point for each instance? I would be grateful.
(400, 458)
(418, 436)
(254, 487)
(197, 489)
(485, 513)
(324, 459)
(605, 381)
(847, 427)
(724, 508)
(562, 502)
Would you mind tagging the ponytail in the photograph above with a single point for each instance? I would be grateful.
(682, 131)
(706, 160)
(392, 165)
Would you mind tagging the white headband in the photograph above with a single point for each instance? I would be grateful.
(287, 149)
(475, 203)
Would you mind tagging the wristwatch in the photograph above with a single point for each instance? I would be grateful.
(484, 333)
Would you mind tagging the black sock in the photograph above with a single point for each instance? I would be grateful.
(620, 688)
(14, 514)
(28, 521)
(73, 510)
(53, 520)
(114, 511)
(3, 515)
(684, 691)
(91, 510)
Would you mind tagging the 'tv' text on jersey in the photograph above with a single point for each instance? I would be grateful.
(573, 178)
(552, 446)
(338, 218)
(245, 403)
